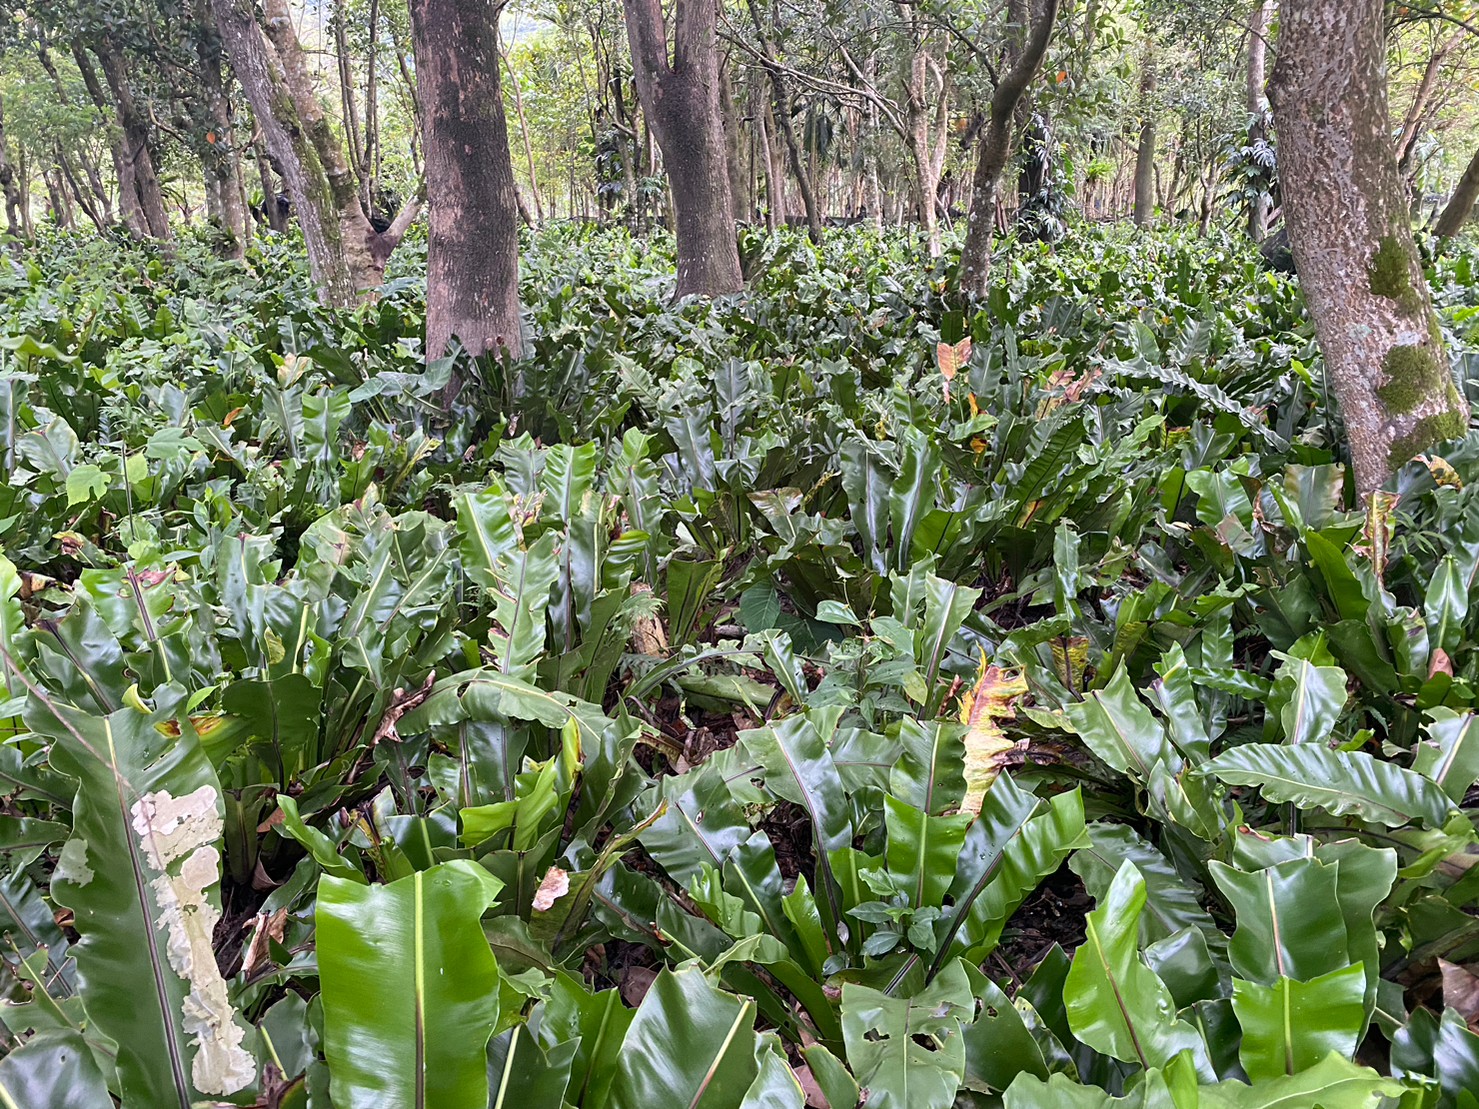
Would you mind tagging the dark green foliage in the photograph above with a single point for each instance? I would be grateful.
(648, 667)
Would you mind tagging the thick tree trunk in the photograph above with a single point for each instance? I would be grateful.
(1145, 150)
(994, 146)
(1257, 102)
(680, 98)
(472, 281)
(345, 252)
(136, 140)
(1352, 240)
(1460, 207)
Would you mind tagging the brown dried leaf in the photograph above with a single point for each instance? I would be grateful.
(1461, 991)
(556, 885)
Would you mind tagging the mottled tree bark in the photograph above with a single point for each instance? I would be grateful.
(780, 93)
(137, 147)
(472, 281)
(1257, 101)
(220, 158)
(994, 146)
(1352, 240)
(680, 98)
(13, 198)
(345, 252)
(1145, 151)
(1460, 207)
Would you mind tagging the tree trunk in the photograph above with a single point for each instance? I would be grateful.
(472, 280)
(513, 83)
(680, 98)
(345, 252)
(1257, 100)
(994, 146)
(1460, 207)
(12, 190)
(1352, 240)
(784, 109)
(220, 158)
(136, 140)
(1145, 151)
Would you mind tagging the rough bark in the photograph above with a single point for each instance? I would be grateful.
(680, 98)
(994, 145)
(1257, 103)
(137, 140)
(1352, 240)
(472, 282)
(1145, 150)
(345, 252)
(1460, 207)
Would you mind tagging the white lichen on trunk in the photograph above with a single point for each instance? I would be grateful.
(178, 836)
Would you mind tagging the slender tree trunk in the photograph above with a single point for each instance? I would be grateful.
(345, 252)
(1460, 207)
(1257, 102)
(136, 140)
(8, 183)
(1352, 240)
(784, 109)
(220, 157)
(775, 215)
(680, 98)
(734, 159)
(1145, 151)
(472, 281)
(994, 145)
(513, 84)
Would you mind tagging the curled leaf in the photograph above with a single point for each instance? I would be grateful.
(556, 885)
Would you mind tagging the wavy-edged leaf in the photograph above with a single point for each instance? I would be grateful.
(140, 874)
(410, 988)
(690, 1046)
(990, 700)
(1289, 918)
(1118, 728)
(1344, 783)
(53, 1070)
(908, 1052)
(1116, 1004)
(1291, 1025)
(1448, 754)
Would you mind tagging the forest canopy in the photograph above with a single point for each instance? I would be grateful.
(751, 555)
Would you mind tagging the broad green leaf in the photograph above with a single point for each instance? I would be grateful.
(140, 875)
(1171, 904)
(53, 1070)
(1289, 917)
(930, 774)
(85, 484)
(690, 1044)
(410, 988)
(597, 1024)
(1448, 754)
(1175, 692)
(1290, 1026)
(1345, 783)
(922, 850)
(1312, 699)
(909, 1052)
(1332, 1082)
(998, 1044)
(12, 624)
(1445, 604)
(1116, 1004)
(1010, 859)
(1118, 728)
